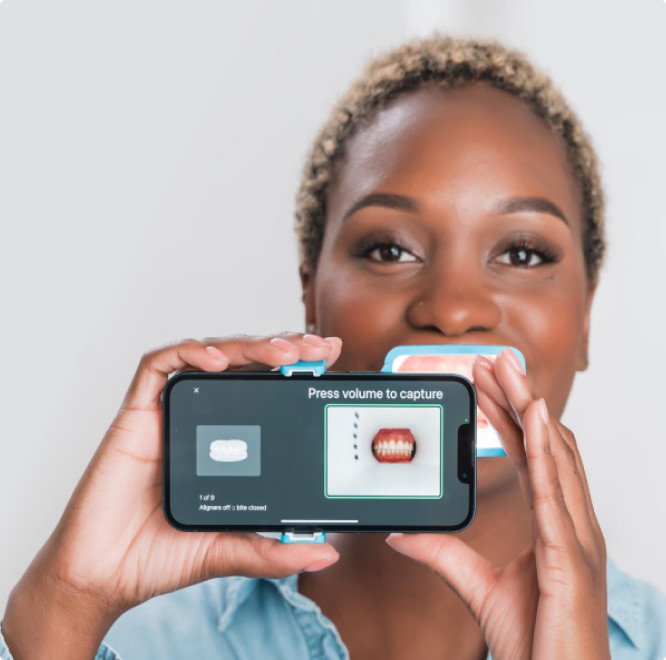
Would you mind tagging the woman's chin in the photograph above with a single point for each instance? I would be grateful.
(494, 473)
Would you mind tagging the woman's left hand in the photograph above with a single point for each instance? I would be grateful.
(550, 600)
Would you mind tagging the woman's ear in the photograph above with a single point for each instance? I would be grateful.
(583, 359)
(308, 297)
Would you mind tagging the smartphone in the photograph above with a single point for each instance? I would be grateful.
(337, 452)
(452, 358)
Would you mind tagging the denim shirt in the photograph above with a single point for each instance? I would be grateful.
(247, 618)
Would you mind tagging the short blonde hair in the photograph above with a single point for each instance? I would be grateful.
(446, 62)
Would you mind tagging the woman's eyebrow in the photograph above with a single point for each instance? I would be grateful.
(387, 200)
(411, 205)
(537, 204)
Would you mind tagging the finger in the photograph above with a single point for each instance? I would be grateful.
(483, 373)
(507, 385)
(155, 366)
(511, 378)
(258, 556)
(574, 487)
(511, 437)
(569, 437)
(565, 451)
(252, 353)
(470, 576)
(332, 357)
(554, 523)
(504, 419)
(574, 453)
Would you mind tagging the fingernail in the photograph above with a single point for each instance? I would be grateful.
(485, 362)
(515, 362)
(395, 535)
(216, 353)
(313, 340)
(543, 409)
(322, 563)
(319, 342)
(282, 344)
(335, 339)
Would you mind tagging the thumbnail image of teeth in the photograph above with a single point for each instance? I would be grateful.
(394, 446)
(228, 451)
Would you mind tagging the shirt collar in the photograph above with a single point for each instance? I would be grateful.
(236, 590)
(625, 604)
(626, 607)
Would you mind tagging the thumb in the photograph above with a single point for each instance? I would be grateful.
(258, 556)
(469, 575)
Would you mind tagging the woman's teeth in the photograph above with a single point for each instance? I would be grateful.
(393, 449)
(394, 446)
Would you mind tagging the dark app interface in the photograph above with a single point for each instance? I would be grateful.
(334, 452)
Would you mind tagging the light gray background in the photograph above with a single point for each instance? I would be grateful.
(149, 156)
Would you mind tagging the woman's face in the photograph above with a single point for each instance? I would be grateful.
(455, 218)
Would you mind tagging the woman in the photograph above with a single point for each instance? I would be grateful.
(452, 197)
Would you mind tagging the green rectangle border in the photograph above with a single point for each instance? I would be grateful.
(386, 497)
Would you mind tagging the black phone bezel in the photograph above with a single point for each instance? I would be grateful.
(329, 375)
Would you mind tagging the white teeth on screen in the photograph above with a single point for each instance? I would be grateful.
(228, 451)
(392, 447)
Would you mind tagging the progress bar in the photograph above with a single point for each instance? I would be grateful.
(317, 521)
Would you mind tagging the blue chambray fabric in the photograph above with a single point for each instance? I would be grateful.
(246, 619)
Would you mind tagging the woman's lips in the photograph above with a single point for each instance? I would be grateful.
(393, 446)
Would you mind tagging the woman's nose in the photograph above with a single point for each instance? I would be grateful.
(454, 306)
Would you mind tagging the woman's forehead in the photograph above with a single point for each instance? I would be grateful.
(466, 146)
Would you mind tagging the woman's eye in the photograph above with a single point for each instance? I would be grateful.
(389, 252)
(523, 256)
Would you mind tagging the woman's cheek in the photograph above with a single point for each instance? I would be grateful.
(550, 331)
(367, 319)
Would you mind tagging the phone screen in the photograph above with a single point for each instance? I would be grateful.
(337, 452)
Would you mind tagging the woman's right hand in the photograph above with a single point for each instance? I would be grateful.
(113, 547)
